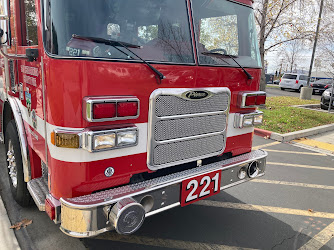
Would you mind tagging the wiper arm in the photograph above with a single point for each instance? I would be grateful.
(125, 45)
(219, 55)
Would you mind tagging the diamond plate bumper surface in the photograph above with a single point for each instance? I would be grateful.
(83, 216)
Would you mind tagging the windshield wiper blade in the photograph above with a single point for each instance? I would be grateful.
(219, 55)
(125, 45)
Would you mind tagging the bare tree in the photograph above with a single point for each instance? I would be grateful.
(291, 53)
(282, 21)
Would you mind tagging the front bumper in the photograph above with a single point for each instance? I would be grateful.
(84, 216)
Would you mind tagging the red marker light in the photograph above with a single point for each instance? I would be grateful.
(50, 209)
(250, 100)
(261, 99)
(125, 109)
(104, 110)
(297, 81)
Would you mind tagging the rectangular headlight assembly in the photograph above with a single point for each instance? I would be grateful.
(95, 141)
(110, 139)
(248, 120)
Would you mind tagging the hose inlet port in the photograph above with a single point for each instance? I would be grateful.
(253, 169)
(127, 216)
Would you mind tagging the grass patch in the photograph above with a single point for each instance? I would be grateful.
(272, 86)
(281, 118)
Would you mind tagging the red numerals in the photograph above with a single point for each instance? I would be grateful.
(200, 187)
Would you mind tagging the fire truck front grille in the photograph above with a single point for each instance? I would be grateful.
(182, 130)
(168, 105)
(191, 126)
(178, 151)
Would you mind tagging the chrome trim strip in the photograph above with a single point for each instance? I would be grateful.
(44, 114)
(190, 137)
(243, 95)
(191, 115)
(153, 119)
(85, 217)
(88, 103)
(22, 137)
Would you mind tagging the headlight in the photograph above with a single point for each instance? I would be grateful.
(258, 119)
(104, 141)
(326, 93)
(248, 120)
(126, 138)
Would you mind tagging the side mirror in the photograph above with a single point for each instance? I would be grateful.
(32, 54)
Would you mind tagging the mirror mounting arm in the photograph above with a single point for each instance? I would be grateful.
(13, 56)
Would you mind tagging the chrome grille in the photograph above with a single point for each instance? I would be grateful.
(185, 127)
(188, 149)
(183, 130)
(168, 105)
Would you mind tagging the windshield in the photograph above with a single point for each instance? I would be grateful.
(227, 28)
(288, 76)
(159, 27)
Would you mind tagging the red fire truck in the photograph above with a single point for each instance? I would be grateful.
(115, 110)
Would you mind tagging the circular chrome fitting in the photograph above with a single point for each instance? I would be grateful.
(109, 172)
(253, 169)
(127, 216)
(242, 173)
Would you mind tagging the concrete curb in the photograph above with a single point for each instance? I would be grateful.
(294, 135)
(7, 236)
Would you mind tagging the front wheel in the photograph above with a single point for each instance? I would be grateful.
(324, 107)
(15, 167)
(282, 88)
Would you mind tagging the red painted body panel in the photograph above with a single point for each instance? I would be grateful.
(69, 81)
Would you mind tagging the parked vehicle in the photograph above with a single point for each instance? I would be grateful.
(269, 78)
(293, 81)
(113, 111)
(276, 82)
(325, 99)
(321, 85)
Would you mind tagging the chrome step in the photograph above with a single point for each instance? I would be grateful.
(38, 188)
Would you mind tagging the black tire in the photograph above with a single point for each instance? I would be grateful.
(19, 191)
(300, 89)
(323, 107)
(282, 88)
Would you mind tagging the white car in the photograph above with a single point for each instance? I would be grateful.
(293, 81)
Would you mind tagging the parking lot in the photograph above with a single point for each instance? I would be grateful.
(292, 207)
